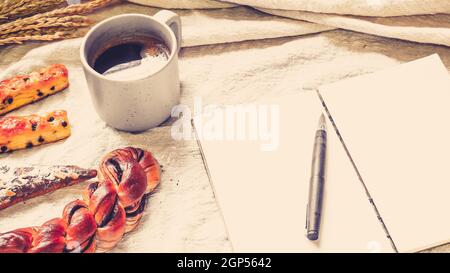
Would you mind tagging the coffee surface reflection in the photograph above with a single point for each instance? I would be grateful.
(128, 57)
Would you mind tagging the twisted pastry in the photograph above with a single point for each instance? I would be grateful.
(109, 208)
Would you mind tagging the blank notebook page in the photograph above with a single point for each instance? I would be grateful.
(396, 125)
(263, 194)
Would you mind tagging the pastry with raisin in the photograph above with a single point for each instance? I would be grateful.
(24, 89)
(20, 132)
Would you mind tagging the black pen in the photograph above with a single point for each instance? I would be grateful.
(316, 183)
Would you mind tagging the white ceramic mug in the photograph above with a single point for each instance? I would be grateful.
(146, 100)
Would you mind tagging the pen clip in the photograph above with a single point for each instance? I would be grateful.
(306, 216)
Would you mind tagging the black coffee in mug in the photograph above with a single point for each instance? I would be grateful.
(127, 56)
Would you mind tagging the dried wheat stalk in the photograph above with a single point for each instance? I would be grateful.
(78, 32)
(13, 9)
(50, 37)
(9, 5)
(74, 21)
(70, 10)
(51, 25)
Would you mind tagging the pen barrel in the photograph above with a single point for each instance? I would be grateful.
(316, 186)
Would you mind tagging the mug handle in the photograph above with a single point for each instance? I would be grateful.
(173, 21)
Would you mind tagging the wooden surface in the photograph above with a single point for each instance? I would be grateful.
(319, 59)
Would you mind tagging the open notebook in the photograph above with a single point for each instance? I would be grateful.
(263, 194)
(396, 125)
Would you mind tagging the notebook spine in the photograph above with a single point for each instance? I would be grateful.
(372, 202)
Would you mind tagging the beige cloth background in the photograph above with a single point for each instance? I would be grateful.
(205, 27)
(183, 215)
(424, 21)
(184, 4)
(434, 29)
(355, 7)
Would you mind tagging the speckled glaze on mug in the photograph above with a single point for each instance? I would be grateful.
(145, 101)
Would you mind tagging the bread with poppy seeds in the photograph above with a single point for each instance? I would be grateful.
(109, 208)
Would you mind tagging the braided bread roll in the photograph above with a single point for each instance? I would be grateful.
(109, 208)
